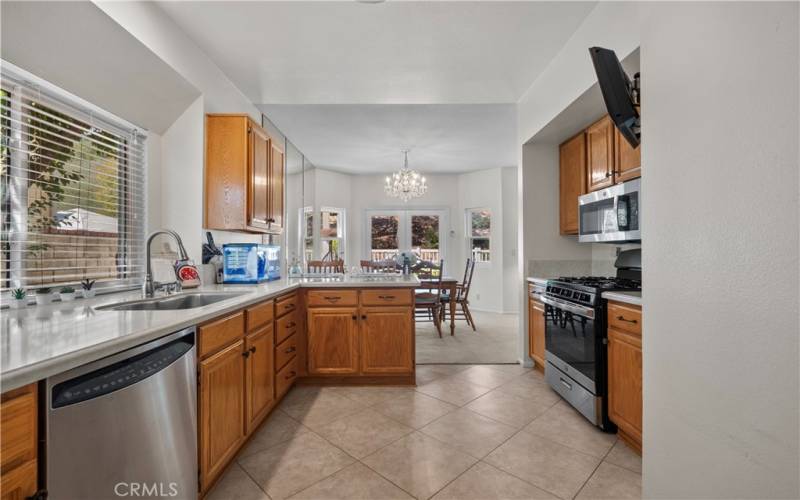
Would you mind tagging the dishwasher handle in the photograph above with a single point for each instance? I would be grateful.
(120, 374)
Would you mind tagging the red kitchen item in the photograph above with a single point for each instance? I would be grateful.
(187, 273)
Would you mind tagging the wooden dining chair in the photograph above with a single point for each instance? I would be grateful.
(378, 266)
(325, 266)
(428, 303)
(462, 296)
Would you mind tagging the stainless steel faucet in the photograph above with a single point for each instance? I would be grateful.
(150, 287)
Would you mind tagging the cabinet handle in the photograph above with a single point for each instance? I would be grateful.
(332, 298)
(565, 383)
(246, 354)
(622, 318)
(289, 305)
(386, 297)
(291, 375)
(290, 350)
(291, 324)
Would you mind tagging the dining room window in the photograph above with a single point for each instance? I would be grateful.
(479, 234)
(72, 195)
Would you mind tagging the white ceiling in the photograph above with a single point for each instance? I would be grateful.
(77, 47)
(352, 84)
(365, 139)
(387, 53)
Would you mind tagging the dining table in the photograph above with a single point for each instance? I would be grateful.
(450, 285)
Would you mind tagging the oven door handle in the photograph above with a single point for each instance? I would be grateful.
(584, 311)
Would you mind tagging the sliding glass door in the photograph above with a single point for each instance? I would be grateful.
(390, 232)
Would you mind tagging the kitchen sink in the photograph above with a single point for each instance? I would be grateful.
(171, 302)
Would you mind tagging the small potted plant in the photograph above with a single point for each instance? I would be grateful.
(44, 296)
(67, 294)
(20, 298)
(88, 291)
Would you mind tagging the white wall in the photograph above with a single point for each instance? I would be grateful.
(721, 250)
(153, 175)
(181, 163)
(511, 278)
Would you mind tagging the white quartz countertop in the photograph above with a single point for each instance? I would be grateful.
(41, 341)
(634, 298)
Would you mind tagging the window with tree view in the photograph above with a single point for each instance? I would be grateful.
(479, 231)
(71, 188)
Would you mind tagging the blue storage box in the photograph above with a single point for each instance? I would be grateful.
(250, 263)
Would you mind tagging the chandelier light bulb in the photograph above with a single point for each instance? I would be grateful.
(405, 183)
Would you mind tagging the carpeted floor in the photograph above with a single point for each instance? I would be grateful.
(495, 341)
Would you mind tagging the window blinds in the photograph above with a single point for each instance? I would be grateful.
(72, 190)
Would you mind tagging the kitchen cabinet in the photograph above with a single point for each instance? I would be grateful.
(536, 325)
(18, 447)
(571, 181)
(627, 159)
(386, 340)
(244, 176)
(289, 342)
(333, 341)
(361, 334)
(222, 410)
(260, 375)
(600, 154)
(625, 371)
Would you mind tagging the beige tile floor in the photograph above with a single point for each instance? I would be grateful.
(465, 432)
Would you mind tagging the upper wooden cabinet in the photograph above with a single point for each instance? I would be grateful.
(627, 159)
(572, 181)
(600, 154)
(244, 176)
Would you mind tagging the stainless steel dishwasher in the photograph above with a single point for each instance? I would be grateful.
(126, 425)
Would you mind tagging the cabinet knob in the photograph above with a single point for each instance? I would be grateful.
(355, 317)
(363, 316)
(290, 350)
(246, 354)
(253, 349)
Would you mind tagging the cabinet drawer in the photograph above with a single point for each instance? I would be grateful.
(625, 317)
(286, 326)
(259, 315)
(285, 304)
(390, 297)
(285, 351)
(286, 377)
(329, 298)
(18, 427)
(217, 334)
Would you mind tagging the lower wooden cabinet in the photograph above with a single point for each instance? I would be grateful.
(536, 324)
(333, 341)
(222, 410)
(18, 443)
(260, 375)
(625, 372)
(387, 344)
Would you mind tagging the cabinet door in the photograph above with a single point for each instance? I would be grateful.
(627, 160)
(260, 392)
(222, 410)
(536, 324)
(387, 340)
(19, 483)
(258, 183)
(571, 181)
(625, 382)
(600, 154)
(333, 341)
(276, 177)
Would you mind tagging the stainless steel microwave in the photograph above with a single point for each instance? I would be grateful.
(611, 215)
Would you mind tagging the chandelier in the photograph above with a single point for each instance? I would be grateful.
(405, 183)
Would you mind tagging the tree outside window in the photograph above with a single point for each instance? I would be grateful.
(479, 232)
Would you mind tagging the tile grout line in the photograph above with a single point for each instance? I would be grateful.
(593, 472)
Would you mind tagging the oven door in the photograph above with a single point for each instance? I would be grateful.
(571, 340)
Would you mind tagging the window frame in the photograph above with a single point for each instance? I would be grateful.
(26, 91)
(470, 238)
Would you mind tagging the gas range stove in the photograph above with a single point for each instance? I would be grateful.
(586, 290)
